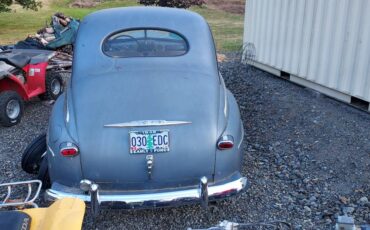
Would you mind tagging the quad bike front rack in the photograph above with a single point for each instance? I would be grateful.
(29, 200)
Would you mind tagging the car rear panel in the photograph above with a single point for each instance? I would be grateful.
(144, 95)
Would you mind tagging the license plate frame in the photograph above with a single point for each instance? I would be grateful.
(156, 141)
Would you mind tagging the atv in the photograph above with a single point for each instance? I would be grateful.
(26, 74)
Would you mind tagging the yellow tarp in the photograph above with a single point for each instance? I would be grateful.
(67, 213)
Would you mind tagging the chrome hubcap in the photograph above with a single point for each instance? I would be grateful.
(13, 108)
(55, 87)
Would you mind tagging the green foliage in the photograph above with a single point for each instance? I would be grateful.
(173, 3)
(26, 4)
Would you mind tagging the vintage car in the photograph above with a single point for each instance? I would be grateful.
(146, 120)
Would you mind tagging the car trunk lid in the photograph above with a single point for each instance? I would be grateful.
(138, 96)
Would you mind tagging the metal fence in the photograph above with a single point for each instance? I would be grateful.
(322, 44)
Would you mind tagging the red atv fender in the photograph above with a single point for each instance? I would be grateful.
(14, 84)
(35, 77)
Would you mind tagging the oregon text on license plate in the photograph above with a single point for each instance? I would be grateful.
(153, 141)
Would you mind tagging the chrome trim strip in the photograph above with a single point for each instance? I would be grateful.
(67, 114)
(226, 111)
(241, 139)
(146, 123)
(51, 151)
(44, 154)
(226, 105)
(66, 108)
(165, 198)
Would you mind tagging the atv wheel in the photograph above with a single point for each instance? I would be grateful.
(11, 108)
(53, 86)
(33, 155)
(43, 174)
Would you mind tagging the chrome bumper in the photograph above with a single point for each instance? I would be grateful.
(203, 193)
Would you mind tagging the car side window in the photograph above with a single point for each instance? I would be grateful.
(145, 43)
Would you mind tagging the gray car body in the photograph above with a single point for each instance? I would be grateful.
(105, 90)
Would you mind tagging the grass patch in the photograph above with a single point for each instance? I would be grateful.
(227, 27)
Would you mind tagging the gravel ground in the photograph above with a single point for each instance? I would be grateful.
(307, 158)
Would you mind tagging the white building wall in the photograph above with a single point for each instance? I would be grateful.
(326, 42)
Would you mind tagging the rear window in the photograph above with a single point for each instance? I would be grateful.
(145, 43)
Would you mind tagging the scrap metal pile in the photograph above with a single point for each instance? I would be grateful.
(60, 62)
(58, 38)
(60, 33)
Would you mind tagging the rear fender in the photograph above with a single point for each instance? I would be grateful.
(63, 170)
(14, 84)
(229, 162)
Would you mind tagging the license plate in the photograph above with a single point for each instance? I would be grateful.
(153, 141)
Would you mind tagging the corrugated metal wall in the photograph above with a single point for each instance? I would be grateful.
(323, 41)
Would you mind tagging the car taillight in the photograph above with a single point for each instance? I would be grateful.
(225, 142)
(69, 149)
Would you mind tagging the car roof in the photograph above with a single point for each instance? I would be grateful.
(88, 55)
